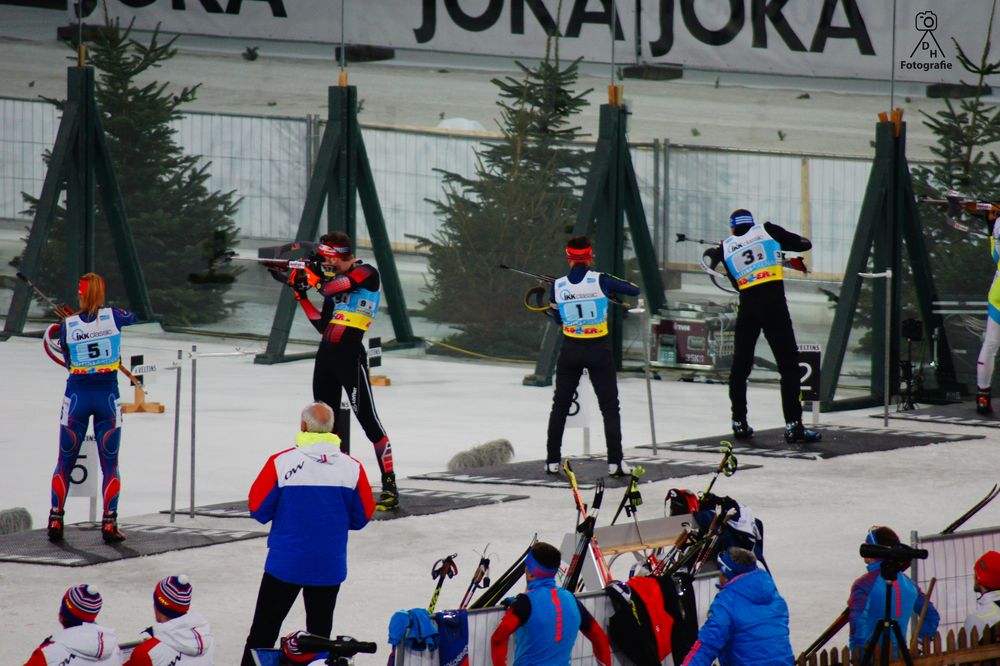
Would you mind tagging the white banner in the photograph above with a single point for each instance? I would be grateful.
(829, 38)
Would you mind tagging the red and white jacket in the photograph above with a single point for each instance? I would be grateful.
(312, 494)
(183, 641)
(87, 643)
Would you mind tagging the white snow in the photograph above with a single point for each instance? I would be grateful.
(816, 512)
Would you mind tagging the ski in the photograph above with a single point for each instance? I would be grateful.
(826, 636)
(502, 585)
(442, 569)
(961, 520)
(480, 578)
(585, 543)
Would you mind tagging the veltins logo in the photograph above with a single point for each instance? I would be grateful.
(927, 54)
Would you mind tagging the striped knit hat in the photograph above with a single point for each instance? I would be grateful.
(172, 596)
(81, 603)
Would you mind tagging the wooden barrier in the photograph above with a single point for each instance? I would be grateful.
(953, 648)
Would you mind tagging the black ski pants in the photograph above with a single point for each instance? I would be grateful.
(344, 367)
(597, 357)
(770, 315)
(275, 599)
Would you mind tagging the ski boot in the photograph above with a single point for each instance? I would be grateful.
(619, 470)
(796, 432)
(389, 499)
(56, 517)
(983, 401)
(109, 528)
(552, 468)
(742, 430)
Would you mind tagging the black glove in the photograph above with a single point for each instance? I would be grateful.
(729, 504)
(710, 501)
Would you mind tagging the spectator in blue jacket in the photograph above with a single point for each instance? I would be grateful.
(867, 601)
(748, 620)
(312, 494)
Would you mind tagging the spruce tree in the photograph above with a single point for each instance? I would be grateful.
(516, 210)
(180, 229)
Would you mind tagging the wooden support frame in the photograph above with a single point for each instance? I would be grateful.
(341, 176)
(889, 218)
(81, 164)
(611, 195)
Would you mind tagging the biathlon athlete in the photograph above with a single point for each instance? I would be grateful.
(991, 338)
(753, 261)
(579, 301)
(350, 303)
(91, 347)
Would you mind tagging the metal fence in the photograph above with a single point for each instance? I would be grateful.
(267, 161)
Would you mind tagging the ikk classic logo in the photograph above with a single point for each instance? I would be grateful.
(927, 53)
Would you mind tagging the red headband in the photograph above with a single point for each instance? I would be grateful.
(579, 255)
(333, 250)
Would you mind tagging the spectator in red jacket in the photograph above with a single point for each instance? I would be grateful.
(312, 494)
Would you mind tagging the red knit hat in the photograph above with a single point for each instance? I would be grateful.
(293, 652)
(987, 570)
(82, 603)
(172, 596)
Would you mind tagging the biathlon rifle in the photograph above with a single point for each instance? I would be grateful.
(540, 292)
(793, 263)
(304, 272)
(986, 211)
(64, 311)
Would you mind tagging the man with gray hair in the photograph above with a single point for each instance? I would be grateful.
(748, 620)
(312, 494)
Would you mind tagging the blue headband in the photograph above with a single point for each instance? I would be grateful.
(742, 218)
(870, 538)
(532, 566)
(731, 569)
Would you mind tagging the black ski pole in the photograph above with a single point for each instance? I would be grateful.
(727, 466)
(443, 568)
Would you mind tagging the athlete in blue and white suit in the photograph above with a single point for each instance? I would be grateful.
(90, 342)
(312, 494)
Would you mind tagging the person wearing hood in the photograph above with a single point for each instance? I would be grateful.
(748, 620)
(81, 640)
(866, 604)
(987, 576)
(312, 494)
(180, 635)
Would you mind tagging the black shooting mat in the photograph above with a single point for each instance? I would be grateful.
(957, 413)
(588, 470)
(82, 544)
(837, 440)
(413, 502)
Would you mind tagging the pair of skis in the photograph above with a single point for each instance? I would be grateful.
(844, 617)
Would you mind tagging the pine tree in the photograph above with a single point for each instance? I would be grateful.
(180, 229)
(516, 210)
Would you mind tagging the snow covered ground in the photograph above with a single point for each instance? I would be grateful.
(816, 512)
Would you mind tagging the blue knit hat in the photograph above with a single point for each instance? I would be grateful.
(740, 217)
(731, 569)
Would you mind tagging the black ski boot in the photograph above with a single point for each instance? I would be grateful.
(389, 499)
(109, 528)
(56, 517)
(983, 401)
(796, 432)
(742, 430)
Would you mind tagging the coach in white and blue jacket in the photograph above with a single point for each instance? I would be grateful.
(312, 494)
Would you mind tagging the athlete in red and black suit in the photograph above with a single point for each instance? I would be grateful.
(350, 302)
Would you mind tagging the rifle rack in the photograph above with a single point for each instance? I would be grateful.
(139, 403)
(630, 537)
